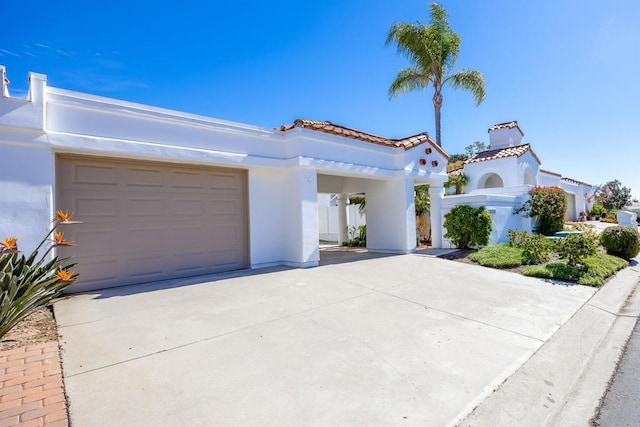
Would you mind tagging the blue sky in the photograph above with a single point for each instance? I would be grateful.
(568, 70)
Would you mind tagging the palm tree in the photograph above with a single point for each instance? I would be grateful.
(433, 51)
(458, 182)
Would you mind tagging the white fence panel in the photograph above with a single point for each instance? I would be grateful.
(328, 221)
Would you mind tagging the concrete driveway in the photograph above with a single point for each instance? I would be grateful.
(399, 340)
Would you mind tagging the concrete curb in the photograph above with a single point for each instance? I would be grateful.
(563, 382)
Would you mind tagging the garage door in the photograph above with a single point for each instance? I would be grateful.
(144, 221)
(571, 214)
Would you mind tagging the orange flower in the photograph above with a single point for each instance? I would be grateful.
(58, 239)
(9, 242)
(62, 216)
(65, 275)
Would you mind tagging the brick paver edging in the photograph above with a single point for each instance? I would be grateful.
(31, 388)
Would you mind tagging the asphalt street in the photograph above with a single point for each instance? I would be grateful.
(621, 405)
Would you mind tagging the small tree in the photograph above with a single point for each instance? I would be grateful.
(360, 202)
(475, 148)
(468, 226)
(612, 195)
(422, 200)
(432, 51)
(457, 182)
(548, 205)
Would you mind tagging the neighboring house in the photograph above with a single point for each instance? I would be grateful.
(164, 194)
(501, 177)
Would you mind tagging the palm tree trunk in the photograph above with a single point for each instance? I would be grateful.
(437, 105)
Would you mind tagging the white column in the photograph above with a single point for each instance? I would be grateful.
(266, 216)
(4, 82)
(343, 225)
(301, 247)
(391, 215)
(436, 193)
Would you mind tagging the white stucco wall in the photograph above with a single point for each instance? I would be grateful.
(391, 217)
(505, 168)
(266, 217)
(286, 170)
(26, 193)
(548, 180)
(500, 207)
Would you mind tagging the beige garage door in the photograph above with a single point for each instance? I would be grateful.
(571, 214)
(145, 221)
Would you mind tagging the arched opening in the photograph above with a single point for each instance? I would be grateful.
(528, 178)
(491, 180)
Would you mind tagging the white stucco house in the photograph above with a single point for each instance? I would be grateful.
(164, 194)
(501, 177)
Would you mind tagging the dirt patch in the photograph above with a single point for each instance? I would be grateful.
(38, 327)
(462, 254)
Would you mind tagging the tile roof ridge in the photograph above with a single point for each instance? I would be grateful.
(326, 126)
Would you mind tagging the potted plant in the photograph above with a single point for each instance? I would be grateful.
(583, 216)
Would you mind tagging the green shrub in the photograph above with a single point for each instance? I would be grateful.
(29, 283)
(468, 226)
(621, 241)
(575, 247)
(598, 210)
(535, 248)
(548, 205)
(498, 256)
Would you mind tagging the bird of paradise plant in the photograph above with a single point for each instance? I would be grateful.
(28, 283)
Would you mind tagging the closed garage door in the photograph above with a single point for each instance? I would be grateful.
(144, 221)
(571, 215)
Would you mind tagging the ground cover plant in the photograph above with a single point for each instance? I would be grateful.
(498, 256)
(592, 272)
(575, 258)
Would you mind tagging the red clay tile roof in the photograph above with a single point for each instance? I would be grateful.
(550, 172)
(506, 125)
(333, 129)
(501, 153)
(574, 181)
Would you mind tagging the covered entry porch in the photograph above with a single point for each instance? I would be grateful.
(390, 209)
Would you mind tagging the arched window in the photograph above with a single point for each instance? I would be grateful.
(491, 180)
(528, 178)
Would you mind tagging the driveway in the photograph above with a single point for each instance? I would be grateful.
(397, 340)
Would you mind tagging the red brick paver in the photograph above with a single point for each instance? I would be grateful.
(31, 388)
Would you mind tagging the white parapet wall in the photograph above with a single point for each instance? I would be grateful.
(628, 219)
